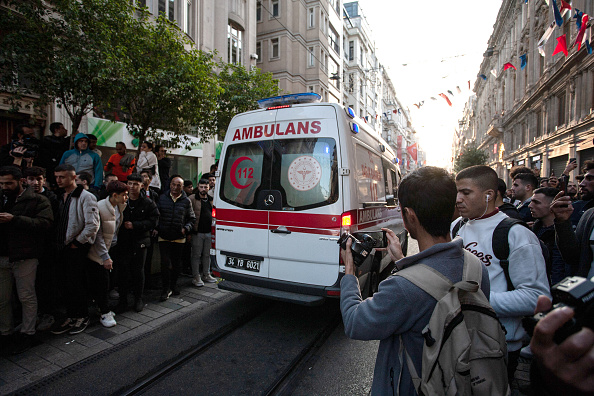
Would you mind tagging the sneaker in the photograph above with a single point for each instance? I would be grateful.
(138, 305)
(113, 294)
(209, 279)
(46, 322)
(197, 282)
(80, 324)
(107, 319)
(63, 327)
(165, 295)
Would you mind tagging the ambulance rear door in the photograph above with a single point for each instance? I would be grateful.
(304, 224)
(242, 212)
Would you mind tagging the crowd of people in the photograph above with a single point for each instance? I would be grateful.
(527, 238)
(77, 235)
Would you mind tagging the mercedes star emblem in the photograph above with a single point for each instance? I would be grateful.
(269, 200)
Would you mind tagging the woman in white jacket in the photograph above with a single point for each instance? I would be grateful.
(111, 213)
(148, 160)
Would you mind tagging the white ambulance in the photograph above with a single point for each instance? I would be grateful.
(293, 176)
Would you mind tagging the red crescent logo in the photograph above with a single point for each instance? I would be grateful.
(234, 169)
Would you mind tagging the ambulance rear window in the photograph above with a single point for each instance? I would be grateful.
(303, 171)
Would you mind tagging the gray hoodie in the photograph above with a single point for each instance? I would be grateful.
(399, 309)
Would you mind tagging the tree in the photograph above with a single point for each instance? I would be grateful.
(470, 156)
(164, 85)
(64, 50)
(241, 89)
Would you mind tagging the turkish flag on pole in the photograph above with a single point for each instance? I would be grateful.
(561, 46)
(412, 151)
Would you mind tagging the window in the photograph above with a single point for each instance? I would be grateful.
(312, 88)
(351, 50)
(310, 57)
(188, 18)
(259, 13)
(274, 48)
(275, 8)
(167, 8)
(311, 17)
(539, 131)
(561, 114)
(333, 37)
(234, 37)
(259, 51)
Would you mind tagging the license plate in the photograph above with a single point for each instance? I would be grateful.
(244, 264)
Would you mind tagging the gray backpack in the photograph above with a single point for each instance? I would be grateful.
(465, 352)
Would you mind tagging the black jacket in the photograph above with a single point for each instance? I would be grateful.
(510, 210)
(575, 246)
(174, 216)
(144, 216)
(22, 238)
(51, 151)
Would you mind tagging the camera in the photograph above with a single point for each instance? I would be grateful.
(29, 144)
(574, 292)
(361, 247)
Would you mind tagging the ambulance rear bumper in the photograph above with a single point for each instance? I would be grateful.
(278, 290)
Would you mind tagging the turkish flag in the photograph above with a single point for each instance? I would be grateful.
(412, 151)
(508, 65)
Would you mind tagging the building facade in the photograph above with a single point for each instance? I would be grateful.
(541, 115)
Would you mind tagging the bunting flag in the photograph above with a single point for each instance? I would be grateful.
(564, 7)
(558, 17)
(561, 45)
(523, 61)
(578, 18)
(450, 92)
(412, 151)
(446, 98)
(458, 89)
(581, 33)
(541, 50)
(508, 65)
(469, 85)
(481, 76)
(416, 105)
(588, 41)
(545, 37)
(494, 73)
(433, 98)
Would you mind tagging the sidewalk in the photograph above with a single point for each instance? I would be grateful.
(60, 351)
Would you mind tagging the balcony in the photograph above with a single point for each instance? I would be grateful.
(495, 130)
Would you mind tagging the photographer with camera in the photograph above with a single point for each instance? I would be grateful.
(400, 310)
(23, 149)
(561, 368)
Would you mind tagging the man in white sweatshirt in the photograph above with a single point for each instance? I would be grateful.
(477, 186)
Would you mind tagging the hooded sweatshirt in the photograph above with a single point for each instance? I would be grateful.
(85, 160)
(527, 270)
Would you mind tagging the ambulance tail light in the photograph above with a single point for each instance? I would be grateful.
(213, 244)
(333, 293)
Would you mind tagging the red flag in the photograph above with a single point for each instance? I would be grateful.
(446, 98)
(395, 111)
(412, 151)
(508, 65)
(564, 6)
(468, 84)
(561, 46)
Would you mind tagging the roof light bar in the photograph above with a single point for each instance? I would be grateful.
(300, 98)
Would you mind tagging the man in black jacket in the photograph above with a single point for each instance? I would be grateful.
(24, 217)
(140, 218)
(45, 279)
(505, 207)
(52, 149)
(176, 221)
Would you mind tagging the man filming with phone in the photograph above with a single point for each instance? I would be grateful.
(400, 310)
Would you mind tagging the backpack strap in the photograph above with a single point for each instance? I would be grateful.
(500, 245)
(430, 280)
(473, 269)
